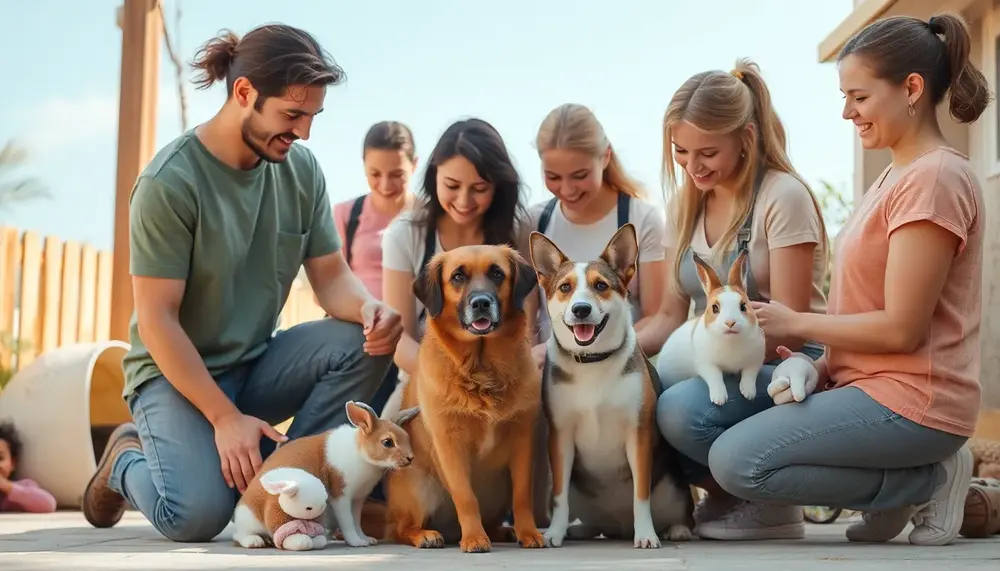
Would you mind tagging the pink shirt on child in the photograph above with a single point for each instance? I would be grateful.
(366, 248)
(27, 496)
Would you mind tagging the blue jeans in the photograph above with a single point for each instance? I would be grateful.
(691, 423)
(308, 371)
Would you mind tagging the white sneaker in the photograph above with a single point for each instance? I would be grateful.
(712, 507)
(939, 520)
(755, 521)
(880, 526)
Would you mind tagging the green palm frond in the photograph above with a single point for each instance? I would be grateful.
(17, 190)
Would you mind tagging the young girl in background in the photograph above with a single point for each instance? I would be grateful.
(739, 191)
(390, 158)
(22, 495)
(593, 196)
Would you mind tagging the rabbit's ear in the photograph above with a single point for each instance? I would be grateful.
(709, 279)
(275, 487)
(738, 271)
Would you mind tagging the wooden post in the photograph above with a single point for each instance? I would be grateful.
(139, 21)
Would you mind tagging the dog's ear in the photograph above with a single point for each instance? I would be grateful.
(525, 279)
(546, 257)
(427, 288)
(622, 253)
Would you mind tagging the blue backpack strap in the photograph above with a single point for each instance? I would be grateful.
(624, 201)
(352, 226)
(546, 217)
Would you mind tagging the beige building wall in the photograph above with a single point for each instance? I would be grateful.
(979, 141)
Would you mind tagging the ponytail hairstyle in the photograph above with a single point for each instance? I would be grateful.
(937, 50)
(390, 136)
(736, 103)
(273, 57)
(574, 126)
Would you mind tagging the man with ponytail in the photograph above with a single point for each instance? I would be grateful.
(221, 220)
(898, 390)
(739, 192)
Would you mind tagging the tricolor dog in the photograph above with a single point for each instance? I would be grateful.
(610, 465)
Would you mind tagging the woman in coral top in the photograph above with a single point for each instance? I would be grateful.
(899, 381)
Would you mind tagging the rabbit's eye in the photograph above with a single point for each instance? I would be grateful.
(715, 308)
(387, 443)
(743, 306)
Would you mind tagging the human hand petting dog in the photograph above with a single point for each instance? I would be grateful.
(382, 326)
(794, 378)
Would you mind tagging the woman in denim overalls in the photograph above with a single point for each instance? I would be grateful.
(739, 192)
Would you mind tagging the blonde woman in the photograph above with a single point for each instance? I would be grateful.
(738, 191)
(593, 196)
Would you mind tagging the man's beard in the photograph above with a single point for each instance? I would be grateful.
(257, 141)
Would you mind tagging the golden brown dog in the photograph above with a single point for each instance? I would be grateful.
(480, 395)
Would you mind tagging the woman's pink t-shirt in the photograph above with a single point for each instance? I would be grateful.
(937, 385)
(366, 248)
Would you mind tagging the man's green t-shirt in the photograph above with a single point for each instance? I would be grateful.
(238, 239)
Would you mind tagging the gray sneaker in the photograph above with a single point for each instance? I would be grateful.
(755, 521)
(713, 507)
(939, 520)
(880, 526)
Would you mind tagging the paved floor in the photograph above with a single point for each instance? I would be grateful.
(64, 541)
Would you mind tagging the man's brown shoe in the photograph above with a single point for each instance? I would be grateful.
(982, 508)
(102, 506)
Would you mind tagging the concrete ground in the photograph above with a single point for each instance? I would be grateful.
(64, 541)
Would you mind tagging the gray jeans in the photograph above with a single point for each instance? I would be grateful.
(308, 371)
(691, 423)
(837, 448)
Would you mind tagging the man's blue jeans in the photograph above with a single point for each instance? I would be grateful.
(308, 371)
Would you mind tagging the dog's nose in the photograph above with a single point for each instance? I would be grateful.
(730, 324)
(480, 302)
(581, 310)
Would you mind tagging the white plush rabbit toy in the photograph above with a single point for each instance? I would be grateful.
(285, 506)
(724, 339)
(794, 378)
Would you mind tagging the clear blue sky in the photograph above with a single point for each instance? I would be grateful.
(426, 63)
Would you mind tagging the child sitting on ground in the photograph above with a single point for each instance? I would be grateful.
(18, 495)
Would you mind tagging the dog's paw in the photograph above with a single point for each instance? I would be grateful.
(427, 539)
(251, 541)
(679, 533)
(644, 541)
(554, 536)
(719, 396)
(371, 540)
(748, 390)
(530, 538)
(502, 534)
(476, 542)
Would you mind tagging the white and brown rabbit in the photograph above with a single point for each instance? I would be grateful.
(724, 339)
(349, 459)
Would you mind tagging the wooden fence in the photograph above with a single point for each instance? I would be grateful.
(55, 292)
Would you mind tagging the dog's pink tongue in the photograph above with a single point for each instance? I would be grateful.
(584, 332)
(482, 324)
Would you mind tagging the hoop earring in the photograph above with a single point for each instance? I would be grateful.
(911, 110)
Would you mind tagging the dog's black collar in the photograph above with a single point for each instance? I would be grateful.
(592, 357)
(586, 358)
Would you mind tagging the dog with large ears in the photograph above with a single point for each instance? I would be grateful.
(479, 394)
(609, 461)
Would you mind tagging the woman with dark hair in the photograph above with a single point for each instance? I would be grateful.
(471, 195)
